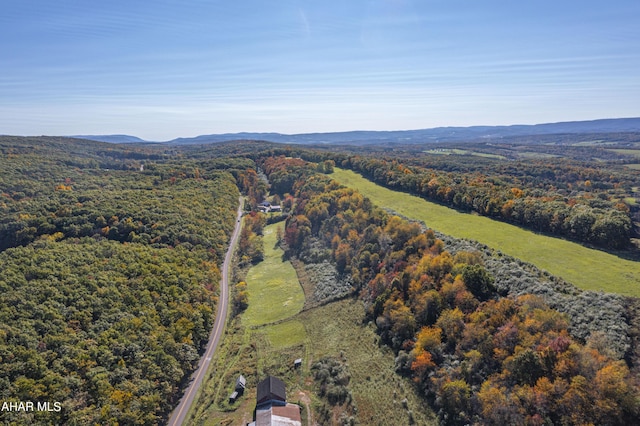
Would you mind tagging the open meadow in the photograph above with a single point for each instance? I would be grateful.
(584, 267)
(274, 291)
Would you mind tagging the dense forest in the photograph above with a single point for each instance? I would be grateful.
(110, 269)
(110, 258)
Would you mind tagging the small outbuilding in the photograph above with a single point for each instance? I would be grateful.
(297, 363)
(241, 384)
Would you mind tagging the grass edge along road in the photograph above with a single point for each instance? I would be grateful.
(586, 268)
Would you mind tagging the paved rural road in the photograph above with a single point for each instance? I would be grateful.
(179, 414)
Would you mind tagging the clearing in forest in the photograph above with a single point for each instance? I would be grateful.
(274, 291)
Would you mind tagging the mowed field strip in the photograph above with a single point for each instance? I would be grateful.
(274, 291)
(586, 268)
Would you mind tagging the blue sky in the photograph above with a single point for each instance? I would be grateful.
(164, 69)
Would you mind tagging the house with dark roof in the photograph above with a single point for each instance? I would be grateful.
(272, 408)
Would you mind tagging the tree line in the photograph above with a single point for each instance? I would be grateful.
(563, 197)
(586, 218)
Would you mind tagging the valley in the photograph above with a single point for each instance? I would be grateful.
(432, 310)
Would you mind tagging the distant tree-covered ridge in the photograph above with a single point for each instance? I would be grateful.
(477, 356)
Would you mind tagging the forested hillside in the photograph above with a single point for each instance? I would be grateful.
(110, 269)
(477, 356)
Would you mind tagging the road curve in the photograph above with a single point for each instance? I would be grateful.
(181, 411)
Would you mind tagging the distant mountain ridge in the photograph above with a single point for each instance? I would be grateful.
(111, 138)
(437, 134)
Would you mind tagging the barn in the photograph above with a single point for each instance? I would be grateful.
(272, 408)
(271, 391)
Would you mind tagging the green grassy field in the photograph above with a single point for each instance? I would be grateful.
(630, 152)
(336, 330)
(586, 268)
(264, 340)
(456, 151)
(596, 142)
(285, 334)
(536, 155)
(274, 291)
